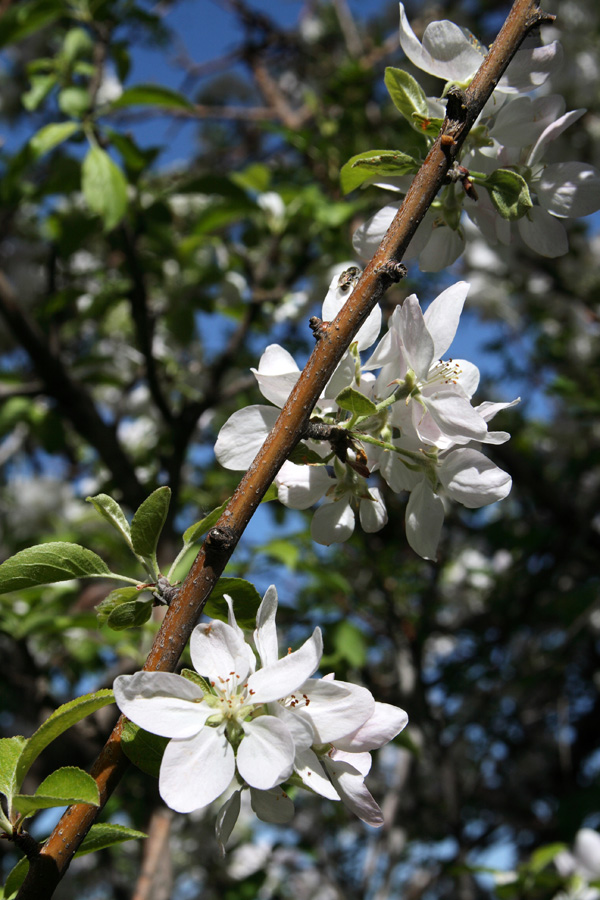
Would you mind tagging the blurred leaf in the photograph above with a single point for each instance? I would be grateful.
(104, 187)
(22, 19)
(74, 101)
(148, 522)
(116, 598)
(41, 85)
(104, 835)
(143, 749)
(49, 563)
(246, 601)
(15, 879)
(10, 751)
(350, 643)
(151, 95)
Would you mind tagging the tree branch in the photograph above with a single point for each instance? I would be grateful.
(182, 616)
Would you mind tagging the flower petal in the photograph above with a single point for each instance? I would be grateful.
(162, 703)
(265, 633)
(219, 652)
(277, 374)
(226, 819)
(299, 487)
(372, 513)
(332, 522)
(424, 519)
(195, 771)
(545, 234)
(272, 806)
(443, 314)
(472, 479)
(447, 50)
(333, 708)
(386, 722)
(242, 436)
(286, 675)
(310, 770)
(351, 787)
(569, 189)
(417, 341)
(455, 417)
(265, 756)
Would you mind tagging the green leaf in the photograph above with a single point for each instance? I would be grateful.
(104, 187)
(110, 510)
(350, 645)
(50, 136)
(61, 788)
(22, 19)
(151, 95)
(191, 534)
(10, 751)
(509, 193)
(193, 676)
(74, 101)
(271, 494)
(148, 522)
(48, 563)
(543, 856)
(104, 835)
(58, 722)
(355, 402)
(407, 94)
(429, 125)
(375, 163)
(143, 749)
(41, 85)
(246, 601)
(130, 615)
(303, 455)
(15, 879)
(116, 598)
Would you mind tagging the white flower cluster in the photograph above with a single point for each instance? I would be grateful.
(259, 727)
(581, 867)
(404, 413)
(508, 142)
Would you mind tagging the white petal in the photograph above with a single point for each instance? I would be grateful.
(354, 794)
(530, 68)
(226, 819)
(162, 703)
(569, 189)
(587, 851)
(219, 652)
(300, 486)
(368, 236)
(265, 634)
(300, 728)
(332, 522)
(446, 51)
(243, 434)
(265, 756)
(455, 416)
(472, 479)
(543, 233)
(489, 408)
(334, 708)
(397, 475)
(417, 341)
(386, 722)
(442, 249)
(372, 513)
(443, 314)
(288, 673)
(342, 376)
(551, 132)
(335, 300)
(277, 374)
(310, 770)
(272, 806)
(277, 361)
(424, 520)
(196, 771)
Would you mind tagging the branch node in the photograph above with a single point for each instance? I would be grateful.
(221, 539)
(391, 271)
(318, 327)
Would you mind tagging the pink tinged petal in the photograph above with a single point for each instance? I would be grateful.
(310, 770)
(334, 708)
(197, 770)
(265, 634)
(551, 132)
(265, 756)
(424, 519)
(530, 68)
(219, 652)
(373, 514)
(442, 249)
(443, 314)
(455, 416)
(354, 794)
(569, 189)
(332, 522)
(386, 722)
(272, 806)
(472, 479)
(162, 703)
(417, 341)
(288, 673)
(368, 237)
(226, 819)
(242, 436)
(545, 234)
(299, 487)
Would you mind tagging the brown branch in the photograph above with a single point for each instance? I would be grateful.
(74, 400)
(183, 614)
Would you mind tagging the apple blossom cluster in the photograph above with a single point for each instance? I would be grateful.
(581, 867)
(404, 413)
(258, 728)
(503, 154)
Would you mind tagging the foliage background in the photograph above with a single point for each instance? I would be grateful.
(122, 351)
